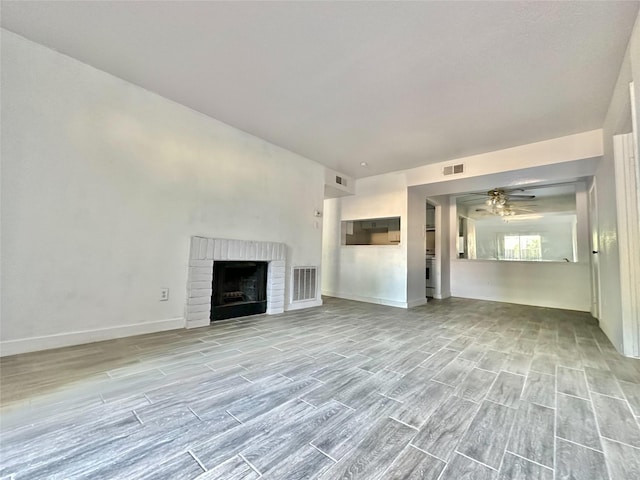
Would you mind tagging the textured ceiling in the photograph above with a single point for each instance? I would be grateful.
(393, 84)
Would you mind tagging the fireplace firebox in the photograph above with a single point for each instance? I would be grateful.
(238, 289)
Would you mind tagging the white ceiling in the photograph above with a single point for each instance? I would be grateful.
(393, 84)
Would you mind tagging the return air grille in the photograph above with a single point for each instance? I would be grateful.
(453, 169)
(304, 283)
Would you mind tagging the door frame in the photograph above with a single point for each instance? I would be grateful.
(628, 222)
(594, 243)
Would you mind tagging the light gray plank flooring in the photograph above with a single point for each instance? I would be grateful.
(623, 460)
(518, 468)
(463, 468)
(476, 385)
(532, 436)
(372, 456)
(442, 432)
(455, 389)
(540, 388)
(576, 462)
(414, 464)
(488, 433)
(572, 382)
(507, 389)
(616, 420)
(576, 422)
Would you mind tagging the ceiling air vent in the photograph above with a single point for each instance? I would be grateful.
(453, 169)
(341, 181)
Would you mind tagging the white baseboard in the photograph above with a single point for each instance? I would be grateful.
(442, 295)
(526, 301)
(359, 298)
(301, 305)
(197, 323)
(34, 344)
(417, 302)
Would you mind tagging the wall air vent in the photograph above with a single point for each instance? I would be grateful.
(303, 286)
(341, 181)
(453, 169)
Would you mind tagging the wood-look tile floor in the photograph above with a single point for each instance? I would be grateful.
(451, 390)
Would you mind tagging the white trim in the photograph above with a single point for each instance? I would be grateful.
(628, 240)
(417, 302)
(204, 322)
(360, 298)
(316, 302)
(34, 344)
(594, 244)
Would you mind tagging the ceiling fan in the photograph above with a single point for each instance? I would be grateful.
(508, 192)
(498, 196)
(500, 201)
(506, 210)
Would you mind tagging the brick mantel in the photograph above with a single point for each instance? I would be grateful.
(205, 251)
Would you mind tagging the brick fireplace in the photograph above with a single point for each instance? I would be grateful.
(206, 251)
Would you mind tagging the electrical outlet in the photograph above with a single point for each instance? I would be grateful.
(164, 294)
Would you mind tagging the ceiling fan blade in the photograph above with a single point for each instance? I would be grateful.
(530, 197)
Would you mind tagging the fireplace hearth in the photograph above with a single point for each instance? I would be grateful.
(205, 252)
(238, 289)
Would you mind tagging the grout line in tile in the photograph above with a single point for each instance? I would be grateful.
(403, 423)
(512, 373)
(621, 443)
(597, 422)
(532, 461)
(311, 404)
(195, 457)
(424, 451)
(135, 414)
(250, 465)
(234, 417)
(324, 453)
(510, 429)
(477, 461)
(581, 445)
(196, 415)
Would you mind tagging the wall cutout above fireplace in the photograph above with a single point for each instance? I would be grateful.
(238, 289)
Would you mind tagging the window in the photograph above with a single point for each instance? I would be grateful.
(522, 247)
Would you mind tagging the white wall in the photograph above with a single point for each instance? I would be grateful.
(393, 277)
(551, 153)
(618, 121)
(103, 185)
(415, 262)
(370, 273)
(545, 284)
(556, 285)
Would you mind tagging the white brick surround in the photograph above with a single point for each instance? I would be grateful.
(205, 251)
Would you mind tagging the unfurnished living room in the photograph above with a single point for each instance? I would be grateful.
(320, 240)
